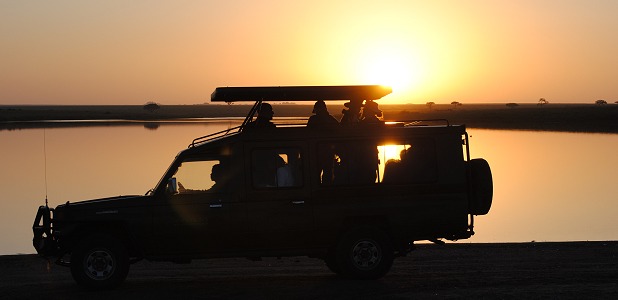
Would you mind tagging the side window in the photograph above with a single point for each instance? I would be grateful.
(196, 176)
(366, 162)
(276, 168)
(412, 162)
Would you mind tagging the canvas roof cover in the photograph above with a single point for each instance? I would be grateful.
(300, 93)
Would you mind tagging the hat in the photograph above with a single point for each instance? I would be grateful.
(319, 105)
(353, 104)
(372, 107)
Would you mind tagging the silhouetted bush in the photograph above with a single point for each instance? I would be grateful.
(151, 106)
(600, 102)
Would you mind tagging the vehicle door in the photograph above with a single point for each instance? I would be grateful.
(200, 212)
(279, 210)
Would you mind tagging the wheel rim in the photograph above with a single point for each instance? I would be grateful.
(366, 254)
(99, 264)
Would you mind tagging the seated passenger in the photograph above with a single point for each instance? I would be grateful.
(351, 115)
(285, 177)
(394, 169)
(321, 118)
(217, 174)
(421, 163)
(371, 113)
(264, 117)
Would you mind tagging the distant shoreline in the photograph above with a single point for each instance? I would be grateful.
(588, 118)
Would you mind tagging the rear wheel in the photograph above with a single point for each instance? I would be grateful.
(99, 262)
(365, 254)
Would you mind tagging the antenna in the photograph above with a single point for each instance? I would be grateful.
(45, 161)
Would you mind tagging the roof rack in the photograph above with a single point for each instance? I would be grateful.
(212, 136)
(424, 122)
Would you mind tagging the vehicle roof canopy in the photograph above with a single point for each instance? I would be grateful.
(300, 93)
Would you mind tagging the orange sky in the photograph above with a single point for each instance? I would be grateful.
(177, 52)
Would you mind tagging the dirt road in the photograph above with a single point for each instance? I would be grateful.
(584, 270)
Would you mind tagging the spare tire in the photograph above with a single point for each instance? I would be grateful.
(481, 186)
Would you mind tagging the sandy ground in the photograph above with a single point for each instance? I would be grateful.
(576, 270)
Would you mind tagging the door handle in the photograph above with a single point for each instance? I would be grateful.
(298, 202)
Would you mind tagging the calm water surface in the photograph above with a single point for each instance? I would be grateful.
(547, 186)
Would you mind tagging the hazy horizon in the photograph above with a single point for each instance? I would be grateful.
(71, 52)
(386, 102)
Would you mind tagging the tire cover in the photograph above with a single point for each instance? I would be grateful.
(481, 186)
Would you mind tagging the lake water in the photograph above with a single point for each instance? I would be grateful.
(548, 186)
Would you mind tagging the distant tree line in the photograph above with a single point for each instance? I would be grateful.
(541, 102)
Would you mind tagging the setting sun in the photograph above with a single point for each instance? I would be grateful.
(480, 51)
(391, 67)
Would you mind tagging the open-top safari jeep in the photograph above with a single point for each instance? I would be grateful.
(355, 195)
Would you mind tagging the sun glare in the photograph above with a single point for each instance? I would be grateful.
(391, 68)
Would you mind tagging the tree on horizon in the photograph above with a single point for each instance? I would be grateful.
(600, 102)
(151, 106)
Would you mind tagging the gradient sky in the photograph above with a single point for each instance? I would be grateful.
(177, 52)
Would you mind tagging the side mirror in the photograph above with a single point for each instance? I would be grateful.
(172, 186)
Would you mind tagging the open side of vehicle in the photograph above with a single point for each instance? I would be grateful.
(355, 196)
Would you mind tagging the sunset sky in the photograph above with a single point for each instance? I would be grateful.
(177, 52)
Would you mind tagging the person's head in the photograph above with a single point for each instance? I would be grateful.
(216, 173)
(354, 105)
(319, 107)
(266, 111)
(279, 161)
(371, 108)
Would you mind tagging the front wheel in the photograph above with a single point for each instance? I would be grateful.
(365, 254)
(99, 262)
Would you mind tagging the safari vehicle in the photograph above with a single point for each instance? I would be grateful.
(356, 196)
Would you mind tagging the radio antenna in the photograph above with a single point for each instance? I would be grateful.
(45, 161)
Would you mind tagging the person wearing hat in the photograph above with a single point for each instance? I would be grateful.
(366, 160)
(265, 115)
(371, 113)
(351, 115)
(321, 118)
